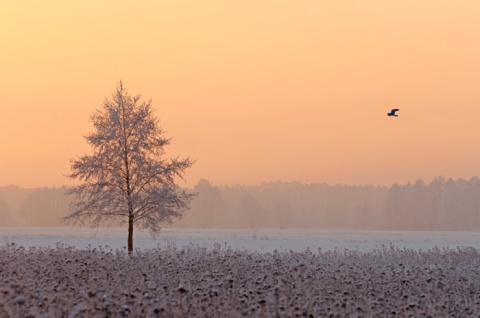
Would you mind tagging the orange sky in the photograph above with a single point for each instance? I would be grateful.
(256, 91)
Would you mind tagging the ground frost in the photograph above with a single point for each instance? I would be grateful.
(219, 282)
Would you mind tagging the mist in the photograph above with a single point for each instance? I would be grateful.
(442, 204)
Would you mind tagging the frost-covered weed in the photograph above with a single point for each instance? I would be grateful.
(215, 281)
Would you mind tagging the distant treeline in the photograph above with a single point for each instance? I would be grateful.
(443, 204)
(32, 207)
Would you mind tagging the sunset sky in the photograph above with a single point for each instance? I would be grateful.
(255, 91)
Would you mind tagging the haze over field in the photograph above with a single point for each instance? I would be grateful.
(311, 200)
(441, 205)
(254, 90)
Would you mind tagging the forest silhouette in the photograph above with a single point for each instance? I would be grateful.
(442, 204)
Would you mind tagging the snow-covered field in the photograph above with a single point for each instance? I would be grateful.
(262, 240)
(238, 273)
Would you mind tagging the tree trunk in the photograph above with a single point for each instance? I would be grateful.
(130, 234)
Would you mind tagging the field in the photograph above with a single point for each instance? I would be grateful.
(214, 280)
(197, 282)
(260, 240)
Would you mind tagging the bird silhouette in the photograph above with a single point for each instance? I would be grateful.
(392, 112)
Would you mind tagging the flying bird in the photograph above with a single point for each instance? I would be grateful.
(392, 112)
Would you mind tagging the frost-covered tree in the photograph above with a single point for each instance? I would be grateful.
(127, 179)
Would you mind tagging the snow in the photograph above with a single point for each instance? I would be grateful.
(261, 240)
(238, 273)
(217, 282)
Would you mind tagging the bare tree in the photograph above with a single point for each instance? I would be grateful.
(127, 179)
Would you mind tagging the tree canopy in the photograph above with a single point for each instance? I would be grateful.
(128, 178)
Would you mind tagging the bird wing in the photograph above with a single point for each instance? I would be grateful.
(395, 110)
